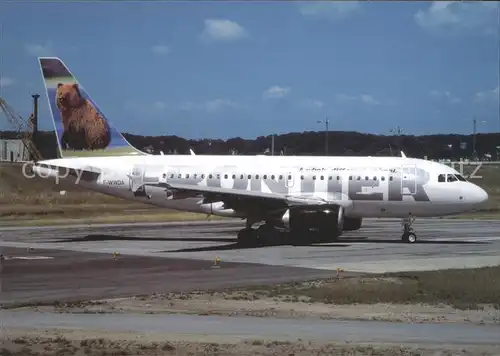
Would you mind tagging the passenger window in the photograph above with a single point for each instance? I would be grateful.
(218, 176)
(338, 177)
(249, 176)
(350, 177)
(265, 176)
(281, 177)
(366, 178)
(172, 176)
(225, 176)
(210, 176)
(390, 178)
(383, 178)
(441, 178)
(374, 178)
(187, 175)
(241, 176)
(202, 176)
(289, 177)
(272, 177)
(359, 178)
(257, 176)
(234, 176)
(314, 177)
(302, 177)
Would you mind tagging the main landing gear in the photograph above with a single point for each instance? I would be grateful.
(262, 234)
(409, 235)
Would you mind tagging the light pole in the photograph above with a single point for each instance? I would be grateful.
(474, 132)
(326, 121)
(398, 131)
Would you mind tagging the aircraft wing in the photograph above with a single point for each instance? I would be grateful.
(290, 200)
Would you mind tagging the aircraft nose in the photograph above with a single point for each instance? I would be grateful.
(478, 194)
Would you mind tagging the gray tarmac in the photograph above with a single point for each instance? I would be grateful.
(263, 328)
(48, 276)
(74, 263)
(375, 248)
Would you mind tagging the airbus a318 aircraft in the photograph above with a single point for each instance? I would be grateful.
(305, 195)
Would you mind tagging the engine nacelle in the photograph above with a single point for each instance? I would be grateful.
(217, 208)
(317, 218)
(352, 224)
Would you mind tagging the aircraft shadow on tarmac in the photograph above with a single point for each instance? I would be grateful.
(102, 237)
(231, 243)
(240, 246)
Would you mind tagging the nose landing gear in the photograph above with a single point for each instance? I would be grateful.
(409, 234)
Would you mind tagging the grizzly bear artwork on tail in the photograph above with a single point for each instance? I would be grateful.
(83, 127)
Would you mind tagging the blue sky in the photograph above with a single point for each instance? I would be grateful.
(214, 69)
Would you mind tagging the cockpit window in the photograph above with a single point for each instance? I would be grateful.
(450, 178)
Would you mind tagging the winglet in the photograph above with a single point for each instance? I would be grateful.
(81, 127)
(403, 154)
(191, 152)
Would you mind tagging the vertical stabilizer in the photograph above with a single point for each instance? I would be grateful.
(81, 127)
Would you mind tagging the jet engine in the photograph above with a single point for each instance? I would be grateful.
(328, 220)
(218, 208)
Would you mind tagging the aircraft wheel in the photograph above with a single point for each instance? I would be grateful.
(267, 234)
(246, 236)
(410, 237)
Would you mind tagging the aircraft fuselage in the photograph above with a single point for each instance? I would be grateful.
(364, 186)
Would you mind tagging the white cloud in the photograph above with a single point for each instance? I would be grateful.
(161, 49)
(459, 15)
(363, 98)
(219, 104)
(436, 94)
(344, 98)
(39, 50)
(222, 30)
(370, 100)
(311, 104)
(276, 92)
(331, 10)
(209, 105)
(488, 95)
(6, 82)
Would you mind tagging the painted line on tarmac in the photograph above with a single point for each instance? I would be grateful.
(28, 258)
(125, 224)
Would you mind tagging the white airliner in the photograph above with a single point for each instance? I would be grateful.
(327, 195)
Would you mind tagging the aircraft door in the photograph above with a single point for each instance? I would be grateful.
(136, 179)
(289, 179)
(408, 179)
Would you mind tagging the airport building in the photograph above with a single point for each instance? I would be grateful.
(13, 151)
